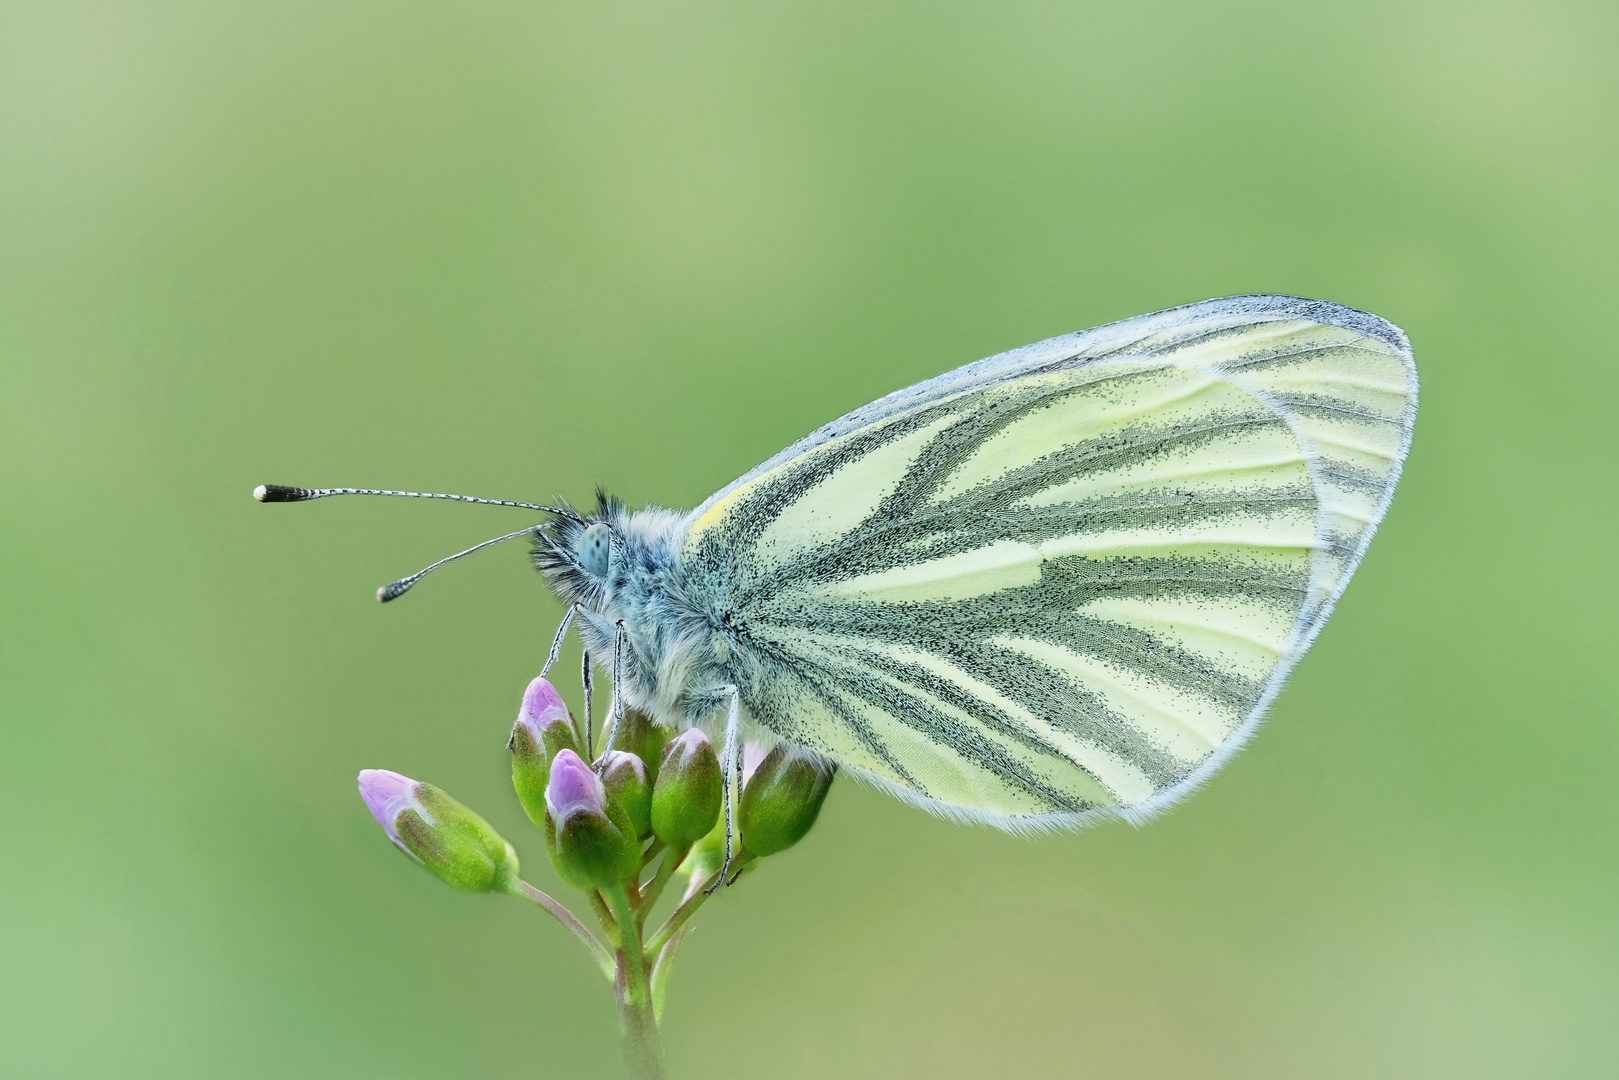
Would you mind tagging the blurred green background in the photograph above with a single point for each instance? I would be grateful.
(515, 249)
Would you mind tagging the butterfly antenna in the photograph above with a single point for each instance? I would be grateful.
(274, 493)
(396, 589)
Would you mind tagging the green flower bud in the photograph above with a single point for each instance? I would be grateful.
(782, 800)
(709, 852)
(544, 727)
(686, 796)
(640, 735)
(624, 776)
(440, 833)
(590, 838)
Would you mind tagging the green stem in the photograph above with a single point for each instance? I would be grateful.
(654, 888)
(605, 915)
(662, 968)
(634, 962)
(568, 919)
(642, 1048)
(687, 908)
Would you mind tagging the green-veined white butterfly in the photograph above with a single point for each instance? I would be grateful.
(1057, 584)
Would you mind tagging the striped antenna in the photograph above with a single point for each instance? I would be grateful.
(396, 589)
(274, 493)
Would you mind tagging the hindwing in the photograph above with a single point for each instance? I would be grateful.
(1067, 579)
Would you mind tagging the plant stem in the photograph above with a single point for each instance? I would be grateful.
(603, 913)
(654, 888)
(687, 908)
(662, 968)
(642, 1046)
(562, 915)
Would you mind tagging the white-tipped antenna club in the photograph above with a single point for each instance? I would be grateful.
(395, 589)
(274, 493)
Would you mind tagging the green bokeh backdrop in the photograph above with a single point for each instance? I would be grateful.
(519, 248)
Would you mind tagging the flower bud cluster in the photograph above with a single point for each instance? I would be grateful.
(651, 785)
(651, 790)
(654, 804)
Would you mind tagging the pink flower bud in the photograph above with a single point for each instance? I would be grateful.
(574, 788)
(439, 833)
(542, 707)
(543, 729)
(590, 837)
(387, 795)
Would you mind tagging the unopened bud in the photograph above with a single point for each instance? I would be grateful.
(440, 833)
(686, 795)
(781, 801)
(624, 776)
(544, 727)
(587, 832)
(639, 734)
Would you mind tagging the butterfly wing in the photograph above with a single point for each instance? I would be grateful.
(1066, 580)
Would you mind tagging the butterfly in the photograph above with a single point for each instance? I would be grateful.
(1055, 585)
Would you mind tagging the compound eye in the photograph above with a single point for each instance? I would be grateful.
(594, 547)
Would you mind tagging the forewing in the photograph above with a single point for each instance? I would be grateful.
(1067, 579)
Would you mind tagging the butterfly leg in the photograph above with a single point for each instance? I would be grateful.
(556, 642)
(584, 677)
(731, 769)
(551, 659)
(616, 713)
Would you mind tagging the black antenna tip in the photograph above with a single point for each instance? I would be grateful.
(395, 589)
(281, 493)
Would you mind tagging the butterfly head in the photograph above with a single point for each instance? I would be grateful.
(578, 553)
